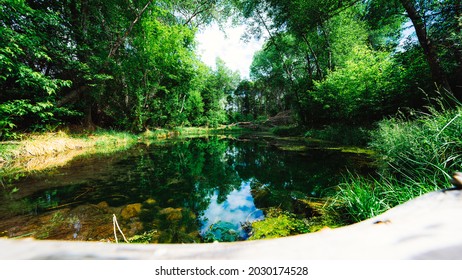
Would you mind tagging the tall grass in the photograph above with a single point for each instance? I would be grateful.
(360, 198)
(428, 146)
(415, 156)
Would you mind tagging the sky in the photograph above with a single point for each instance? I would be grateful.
(236, 53)
(238, 208)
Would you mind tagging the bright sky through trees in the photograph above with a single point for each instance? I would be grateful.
(228, 46)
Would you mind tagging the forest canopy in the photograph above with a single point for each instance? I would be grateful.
(133, 65)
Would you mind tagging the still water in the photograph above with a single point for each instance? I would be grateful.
(178, 191)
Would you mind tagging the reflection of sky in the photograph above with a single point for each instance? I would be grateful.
(238, 208)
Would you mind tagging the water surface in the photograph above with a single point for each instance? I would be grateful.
(191, 190)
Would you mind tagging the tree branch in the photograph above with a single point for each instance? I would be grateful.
(127, 32)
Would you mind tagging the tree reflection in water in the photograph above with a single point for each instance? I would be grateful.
(184, 191)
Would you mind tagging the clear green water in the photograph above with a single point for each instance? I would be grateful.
(178, 191)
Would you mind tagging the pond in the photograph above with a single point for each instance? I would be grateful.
(175, 191)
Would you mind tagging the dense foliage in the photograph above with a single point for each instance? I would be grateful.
(122, 64)
(132, 65)
(352, 62)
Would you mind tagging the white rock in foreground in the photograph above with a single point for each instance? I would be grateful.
(428, 227)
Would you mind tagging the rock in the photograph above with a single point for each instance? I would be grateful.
(173, 214)
(130, 211)
(308, 208)
(150, 201)
(103, 204)
(134, 228)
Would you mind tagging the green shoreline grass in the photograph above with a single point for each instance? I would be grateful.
(414, 157)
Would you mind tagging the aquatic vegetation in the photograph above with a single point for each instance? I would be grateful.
(341, 134)
(278, 223)
(187, 132)
(222, 232)
(144, 238)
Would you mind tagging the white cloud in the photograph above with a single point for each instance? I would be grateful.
(238, 208)
(236, 53)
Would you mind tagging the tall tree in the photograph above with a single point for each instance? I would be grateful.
(418, 19)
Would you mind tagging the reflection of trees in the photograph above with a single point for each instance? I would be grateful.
(175, 181)
(277, 176)
(185, 176)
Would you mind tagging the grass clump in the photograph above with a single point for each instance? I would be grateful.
(427, 147)
(360, 198)
(415, 156)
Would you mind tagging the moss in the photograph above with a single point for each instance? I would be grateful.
(278, 223)
(352, 150)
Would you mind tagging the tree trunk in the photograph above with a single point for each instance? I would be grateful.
(315, 57)
(429, 49)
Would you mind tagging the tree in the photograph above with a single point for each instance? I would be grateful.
(121, 64)
(218, 86)
(420, 26)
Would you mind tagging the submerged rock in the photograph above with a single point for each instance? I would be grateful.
(172, 214)
(103, 205)
(150, 201)
(130, 211)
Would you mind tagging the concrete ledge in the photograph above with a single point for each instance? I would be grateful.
(428, 227)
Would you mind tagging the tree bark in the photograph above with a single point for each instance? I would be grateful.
(429, 49)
